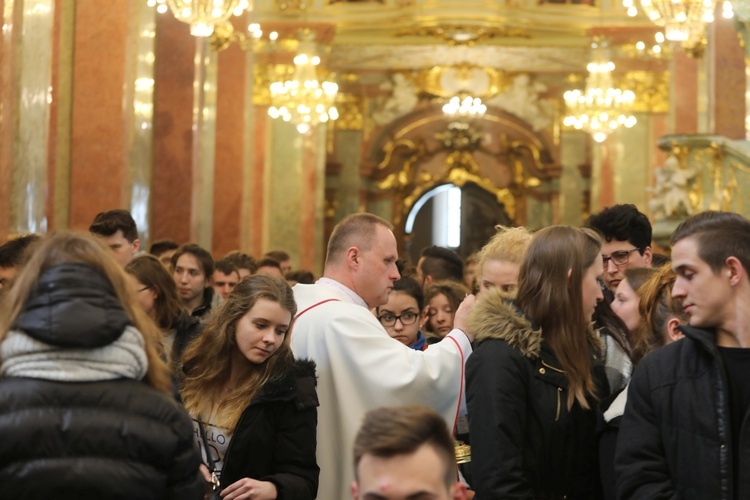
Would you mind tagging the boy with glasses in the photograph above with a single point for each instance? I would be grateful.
(627, 241)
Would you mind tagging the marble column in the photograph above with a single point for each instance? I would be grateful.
(348, 152)
(573, 154)
(289, 185)
(727, 83)
(233, 147)
(58, 170)
(140, 131)
(112, 110)
(204, 144)
(632, 150)
(683, 94)
(25, 113)
(173, 119)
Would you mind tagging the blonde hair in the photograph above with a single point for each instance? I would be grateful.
(509, 245)
(66, 247)
(553, 299)
(207, 361)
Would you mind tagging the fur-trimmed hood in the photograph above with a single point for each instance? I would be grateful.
(496, 316)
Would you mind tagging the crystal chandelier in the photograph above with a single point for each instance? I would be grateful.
(600, 108)
(683, 20)
(465, 106)
(201, 15)
(304, 100)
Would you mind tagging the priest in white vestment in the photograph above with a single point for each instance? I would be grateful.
(359, 366)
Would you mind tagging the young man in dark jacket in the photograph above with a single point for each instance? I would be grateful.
(686, 428)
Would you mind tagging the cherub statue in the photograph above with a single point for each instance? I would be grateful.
(671, 191)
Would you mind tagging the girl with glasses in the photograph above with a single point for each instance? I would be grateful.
(400, 316)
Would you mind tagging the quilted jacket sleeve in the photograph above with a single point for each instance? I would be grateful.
(640, 459)
(496, 396)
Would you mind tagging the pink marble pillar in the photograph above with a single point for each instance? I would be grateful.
(685, 94)
(727, 80)
(98, 139)
(172, 182)
(229, 157)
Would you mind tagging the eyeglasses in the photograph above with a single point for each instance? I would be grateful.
(618, 258)
(408, 318)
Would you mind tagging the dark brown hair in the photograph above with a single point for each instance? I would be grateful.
(205, 260)
(392, 431)
(109, 222)
(552, 299)
(719, 235)
(148, 270)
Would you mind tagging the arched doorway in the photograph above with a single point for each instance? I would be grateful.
(459, 217)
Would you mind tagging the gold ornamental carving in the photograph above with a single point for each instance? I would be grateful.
(460, 141)
(651, 90)
(430, 80)
(464, 34)
(350, 108)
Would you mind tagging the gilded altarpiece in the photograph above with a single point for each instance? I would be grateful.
(499, 153)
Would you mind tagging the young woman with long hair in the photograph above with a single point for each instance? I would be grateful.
(658, 316)
(85, 410)
(156, 293)
(255, 405)
(531, 383)
(441, 299)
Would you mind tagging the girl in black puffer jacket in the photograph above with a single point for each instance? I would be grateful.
(85, 410)
(255, 407)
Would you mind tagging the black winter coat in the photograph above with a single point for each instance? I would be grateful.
(114, 439)
(275, 438)
(526, 443)
(118, 439)
(675, 436)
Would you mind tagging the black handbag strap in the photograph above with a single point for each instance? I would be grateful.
(209, 457)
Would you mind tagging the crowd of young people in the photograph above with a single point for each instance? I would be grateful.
(125, 376)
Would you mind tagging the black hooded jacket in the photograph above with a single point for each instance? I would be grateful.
(114, 439)
(526, 443)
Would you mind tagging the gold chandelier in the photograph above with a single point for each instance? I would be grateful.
(202, 15)
(600, 109)
(304, 100)
(683, 20)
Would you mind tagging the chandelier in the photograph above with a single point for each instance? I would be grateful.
(304, 100)
(600, 109)
(201, 15)
(683, 20)
(464, 106)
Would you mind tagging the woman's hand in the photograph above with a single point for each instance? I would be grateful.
(205, 473)
(250, 488)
